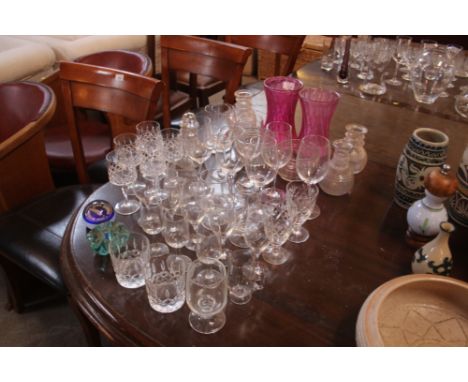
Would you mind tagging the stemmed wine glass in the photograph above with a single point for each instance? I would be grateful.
(257, 241)
(403, 42)
(206, 295)
(312, 162)
(122, 173)
(300, 201)
(276, 149)
(247, 145)
(278, 228)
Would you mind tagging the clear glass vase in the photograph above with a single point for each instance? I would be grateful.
(340, 177)
(244, 111)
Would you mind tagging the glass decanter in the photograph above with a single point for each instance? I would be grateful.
(245, 113)
(340, 177)
(355, 135)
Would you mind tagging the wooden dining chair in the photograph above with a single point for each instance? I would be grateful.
(285, 48)
(201, 57)
(95, 128)
(121, 93)
(282, 46)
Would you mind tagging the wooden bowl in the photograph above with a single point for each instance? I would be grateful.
(415, 310)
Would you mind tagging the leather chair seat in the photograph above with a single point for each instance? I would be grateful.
(121, 60)
(32, 235)
(203, 82)
(96, 138)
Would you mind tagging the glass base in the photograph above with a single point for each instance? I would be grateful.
(257, 272)
(443, 95)
(393, 82)
(365, 76)
(127, 207)
(207, 325)
(300, 236)
(372, 89)
(158, 249)
(244, 186)
(240, 294)
(276, 255)
(315, 213)
(238, 240)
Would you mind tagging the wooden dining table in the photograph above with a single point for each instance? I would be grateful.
(356, 244)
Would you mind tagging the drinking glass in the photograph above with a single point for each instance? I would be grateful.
(430, 76)
(313, 159)
(301, 199)
(259, 173)
(255, 237)
(278, 228)
(247, 145)
(122, 173)
(222, 123)
(165, 282)
(129, 259)
(206, 294)
(380, 54)
(152, 168)
(196, 144)
(173, 147)
(175, 228)
(240, 285)
(403, 42)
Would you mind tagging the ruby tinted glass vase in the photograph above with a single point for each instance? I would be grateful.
(282, 94)
(318, 106)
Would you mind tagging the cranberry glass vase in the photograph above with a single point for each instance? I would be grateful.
(318, 106)
(282, 94)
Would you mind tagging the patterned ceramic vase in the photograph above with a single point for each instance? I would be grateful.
(435, 257)
(458, 204)
(425, 150)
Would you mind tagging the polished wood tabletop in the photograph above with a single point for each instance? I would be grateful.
(312, 300)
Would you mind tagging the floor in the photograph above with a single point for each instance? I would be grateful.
(52, 325)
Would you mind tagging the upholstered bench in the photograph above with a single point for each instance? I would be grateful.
(21, 59)
(71, 47)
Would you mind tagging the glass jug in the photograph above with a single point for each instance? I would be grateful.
(340, 178)
(356, 135)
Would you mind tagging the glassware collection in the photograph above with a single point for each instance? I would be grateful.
(429, 67)
(210, 186)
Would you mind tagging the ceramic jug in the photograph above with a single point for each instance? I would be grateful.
(435, 257)
(425, 150)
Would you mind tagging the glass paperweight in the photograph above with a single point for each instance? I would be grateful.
(103, 234)
(98, 212)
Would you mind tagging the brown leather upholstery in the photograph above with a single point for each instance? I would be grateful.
(129, 61)
(96, 132)
(200, 56)
(21, 103)
(126, 95)
(34, 215)
(32, 235)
